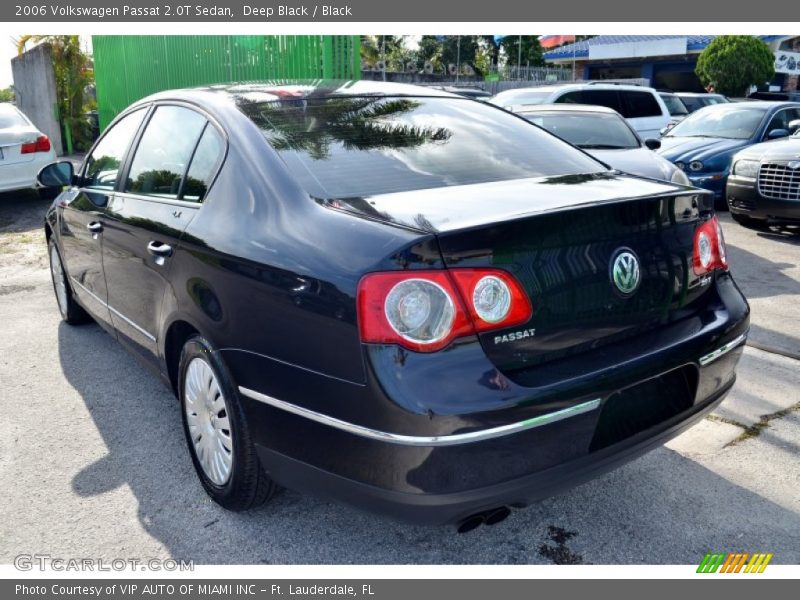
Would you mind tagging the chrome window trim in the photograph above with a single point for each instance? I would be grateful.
(158, 199)
(722, 350)
(149, 336)
(426, 441)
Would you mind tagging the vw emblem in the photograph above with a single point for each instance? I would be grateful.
(794, 164)
(625, 272)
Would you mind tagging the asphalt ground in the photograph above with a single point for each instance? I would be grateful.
(93, 461)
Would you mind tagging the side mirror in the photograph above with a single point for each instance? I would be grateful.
(652, 143)
(794, 126)
(57, 174)
(777, 133)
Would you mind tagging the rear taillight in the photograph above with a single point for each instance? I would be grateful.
(709, 248)
(426, 310)
(41, 144)
(494, 298)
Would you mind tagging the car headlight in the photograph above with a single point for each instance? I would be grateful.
(695, 165)
(679, 177)
(680, 165)
(746, 168)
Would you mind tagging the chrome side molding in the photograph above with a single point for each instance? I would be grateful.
(426, 441)
(144, 332)
(722, 350)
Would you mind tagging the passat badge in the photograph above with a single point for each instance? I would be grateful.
(625, 272)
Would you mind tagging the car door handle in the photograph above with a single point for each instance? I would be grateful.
(95, 227)
(159, 249)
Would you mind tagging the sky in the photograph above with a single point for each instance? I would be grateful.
(7, 52)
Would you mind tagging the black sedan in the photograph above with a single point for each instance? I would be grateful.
(394, 296)
(764, 185)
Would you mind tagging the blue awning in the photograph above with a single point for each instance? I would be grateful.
(581, 49)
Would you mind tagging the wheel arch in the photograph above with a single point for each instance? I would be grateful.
(175, 336)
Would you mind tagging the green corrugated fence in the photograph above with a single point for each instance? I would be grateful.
(129, 67)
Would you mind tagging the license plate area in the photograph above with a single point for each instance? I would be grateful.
(645, 405)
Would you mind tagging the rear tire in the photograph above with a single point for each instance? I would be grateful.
(217, 432)
(750, 223)
(71, 312)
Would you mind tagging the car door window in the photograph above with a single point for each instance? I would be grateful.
(781, 119)
(103, 164)
(164, 151)
(607, 98)
(207, 157)
(570, 98)
(778, 121)
(639, 104)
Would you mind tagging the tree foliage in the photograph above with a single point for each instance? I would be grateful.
(732, 63)
(74, 72)
(7, 95)
(531, 50)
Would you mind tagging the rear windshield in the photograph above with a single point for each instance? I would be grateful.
(588, 130)
(346, 147)
(10, 117)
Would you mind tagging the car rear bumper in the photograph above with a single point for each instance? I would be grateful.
(482, 440)
(743, 198)
(439, 509)
(22, 175)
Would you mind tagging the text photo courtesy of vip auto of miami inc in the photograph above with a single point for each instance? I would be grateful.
(400, 300)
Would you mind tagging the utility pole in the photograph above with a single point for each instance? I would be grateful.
(458, 56)
(519, 59)
(383, 56)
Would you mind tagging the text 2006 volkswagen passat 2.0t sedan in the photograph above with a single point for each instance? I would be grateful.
(398, 297)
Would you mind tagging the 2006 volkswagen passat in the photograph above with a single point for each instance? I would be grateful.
(394, 296)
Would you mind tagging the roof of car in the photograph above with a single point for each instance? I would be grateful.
(529, 108)
(698, 95)
(577, 86)
(267, 91)
(765, 104)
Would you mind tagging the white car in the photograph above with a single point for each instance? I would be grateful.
(604, 134)
(641, 106)
(24, 150)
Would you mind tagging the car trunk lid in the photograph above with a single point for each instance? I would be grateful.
(561, 239)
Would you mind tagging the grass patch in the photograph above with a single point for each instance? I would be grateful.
(754, 430)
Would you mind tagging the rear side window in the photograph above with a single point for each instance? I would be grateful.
(164, 152)
(607, 98)
(639, 104)
(102, 165)
(204, 164)
(357, 146)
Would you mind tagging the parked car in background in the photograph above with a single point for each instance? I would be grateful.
(677, 109)
(24, 150)
(397, 297)
(792, 96)
(641, 106)
(764, 185)
(474, 93)
(694, 101)
(705, 141)
(604, 134)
